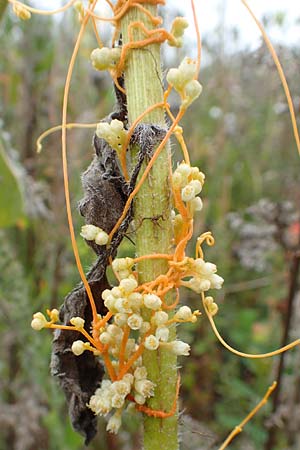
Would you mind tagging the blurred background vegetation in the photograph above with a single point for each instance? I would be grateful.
(239, 134)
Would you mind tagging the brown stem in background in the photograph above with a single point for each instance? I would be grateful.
(293, 285)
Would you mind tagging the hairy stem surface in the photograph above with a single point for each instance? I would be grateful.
(152, 220)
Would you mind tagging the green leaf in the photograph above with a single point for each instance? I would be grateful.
(11, 203)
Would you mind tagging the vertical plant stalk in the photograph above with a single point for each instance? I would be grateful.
(153, 225)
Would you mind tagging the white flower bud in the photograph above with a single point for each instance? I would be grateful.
(135, 322)
(135, 300)
(114, 423)
(114, 330)
(124, 274)
(78, 348)
(196, 204)
(116, 292)
(121, 388)
(128, 378)
(162, 334)
(177, 179)
(105, 58)
(105, 338)
(89, 232)
(192, 91)
(152, 301)
(179, 348)
(39, 321)
(101, 238)
(128, 285)
(122, 264)
(196, 185)
(184, 313)
(78, 322)
(159, 318)
(184, 169)
(54, 315)
(151, 342)
(21, 12)
(188, 69)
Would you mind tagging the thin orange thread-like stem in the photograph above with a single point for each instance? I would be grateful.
(239, 428)
(199, 45)
(65, 164)
(280, 72)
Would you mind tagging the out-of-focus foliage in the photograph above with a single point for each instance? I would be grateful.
(239, 134)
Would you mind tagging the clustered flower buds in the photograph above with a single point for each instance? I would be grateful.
(183, 80)
(105, 58)
(114, 133)
(204, 276)
(93, 233)
(21, 11)
(178, 26)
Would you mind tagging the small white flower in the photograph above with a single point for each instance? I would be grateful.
(121, 388)
(120, 319)
(151, 342)
(188, 193)
(116, 292)
(184, 313)
(78, 347)
(162, 334)
(159, 318)
(78, 322)
(105, 338)
(101, 238)
(196, 185)
(196, 204)
(135, 300)
(184, 169)
(114, 330)
(140, 373)
(144, 387)
(216, 281)
(128, 285)
(117, 401)
(179, 348)
(152, 301)
(135, 322)
(119, 264)
(114, 423)
(89, 232)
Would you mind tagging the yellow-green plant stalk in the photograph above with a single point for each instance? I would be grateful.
(152, 218)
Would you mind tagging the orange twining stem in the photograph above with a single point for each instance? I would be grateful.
(174, 304)
(240, 426)
(245, 355)
(82, 331)
(133, 358)
(65, 162)
(155, 256)
(199, 45)
(126, 331)
(181, 141)
(180, 249)
(158, 413)
(280, 72)
(101, 322)
(161, 32)
(155, 20)
(41, 11)
(109, 366)
(132, 128)
(99, 41)
(146, 172)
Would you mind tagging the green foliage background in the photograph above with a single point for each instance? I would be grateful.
(245, 147)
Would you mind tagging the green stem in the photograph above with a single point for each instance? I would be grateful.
(152, 217)
(3, 5)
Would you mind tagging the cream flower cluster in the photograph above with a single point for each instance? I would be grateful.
(112, 395)
(183, 80)
(93, 233)
(190, 182)
(114, 133)
(205, 276)
(105, 58)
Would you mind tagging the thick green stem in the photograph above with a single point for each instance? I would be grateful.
(152, 218)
